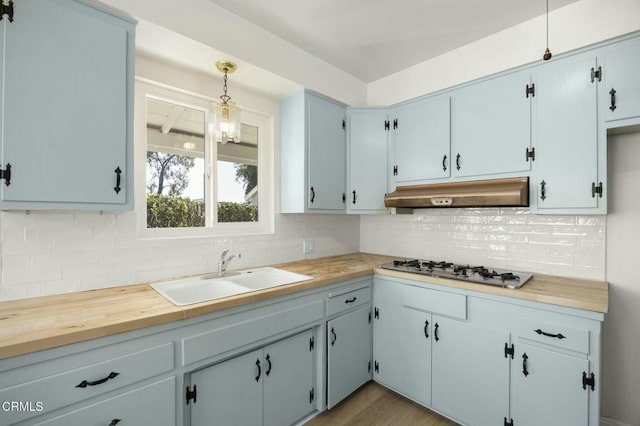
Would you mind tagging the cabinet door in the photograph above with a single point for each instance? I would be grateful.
(421, 138)
(491, 124)
(470, 372)
(66, 108)
(349, 361)
(153, 404)
(367, 155)
(288, 380)
(621, 83)
(326, 154)
(229, 392)
(402, 351)
(565, 135)
(550, 392)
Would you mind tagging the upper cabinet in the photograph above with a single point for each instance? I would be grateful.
(367, 134)
(67, 107)
(621, 83)
(420, 132)
(312, 154)
(566, 174)
(491, 123)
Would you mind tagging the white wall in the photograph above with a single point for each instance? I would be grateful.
(621, 373)
(576, 25)
(49, 253)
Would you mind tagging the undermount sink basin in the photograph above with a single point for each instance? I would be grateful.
(188, 291)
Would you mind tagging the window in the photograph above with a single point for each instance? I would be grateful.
(193, 186)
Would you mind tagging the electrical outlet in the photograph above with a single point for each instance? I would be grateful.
(308, 246)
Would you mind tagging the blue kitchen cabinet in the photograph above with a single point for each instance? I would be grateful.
(569, 171)
(621, 85)
(366, 160)
(312, 154)
(272, 386)
(67, 107)
(420, 134)
(491, 122)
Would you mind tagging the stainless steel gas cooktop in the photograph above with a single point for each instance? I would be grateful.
(475, 274)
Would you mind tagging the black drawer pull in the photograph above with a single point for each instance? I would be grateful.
(613, 106)
(118, 172)
(426, 329)
(85, 383)
(558, 336)
(435, 332)
(353, 299)
(313, 194)
(114, 422)
(335, 338)
(268, 358)
(259, 370)
(524, 365)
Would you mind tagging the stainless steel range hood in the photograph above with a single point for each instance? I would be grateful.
(511, 192)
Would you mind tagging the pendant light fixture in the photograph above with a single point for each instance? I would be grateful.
(224, 125)
(547, 52)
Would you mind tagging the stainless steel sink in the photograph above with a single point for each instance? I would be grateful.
(188, 291)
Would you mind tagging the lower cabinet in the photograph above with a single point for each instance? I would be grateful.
(349, 362)
(269, 386)
(484, 360)
(153, 404)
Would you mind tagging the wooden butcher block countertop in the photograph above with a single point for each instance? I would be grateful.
(35, 324)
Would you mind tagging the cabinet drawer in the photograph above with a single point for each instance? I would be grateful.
(342, 301)
(68, 387)
(153, 404)
(554, 334)
(438, 302)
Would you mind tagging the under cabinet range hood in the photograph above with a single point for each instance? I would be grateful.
(510, 192)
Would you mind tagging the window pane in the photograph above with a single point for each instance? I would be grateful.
(238, 178)
(175, 166)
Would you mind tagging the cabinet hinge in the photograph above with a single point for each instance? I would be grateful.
(530, 154)
(588, 381)
(369, 317)
(192, 394)
(596, 74)
(376, 367)
(386, 124)
(508, 423)
(312, 343)
(6, 9)
(530, 90)
(369, 370)
(395, 123)
(596, 189)
(376, 313)
(344, 125)
(344, 198)
(395, 170)
(311, 395)
(6, 174)
(509, 350)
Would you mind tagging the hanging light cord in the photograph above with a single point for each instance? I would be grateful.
(547, 29)
(225, 98)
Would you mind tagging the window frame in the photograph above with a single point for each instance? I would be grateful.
(147, 89)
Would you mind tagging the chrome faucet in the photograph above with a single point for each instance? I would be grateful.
(224, 262)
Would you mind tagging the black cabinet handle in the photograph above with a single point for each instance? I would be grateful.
(114, 422)
(118, 173)
(524, 365)
(543, 191)
(353, 299)
(458, 161)
(313, 194)
(85, 383)
(613, 100)
(259, 370)
(435, 332)
(558, 336)
(444, 163)
(333, 333)
(268, 358)
(426, 329)
(354, 196)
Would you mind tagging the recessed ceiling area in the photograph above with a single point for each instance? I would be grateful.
(371, 39)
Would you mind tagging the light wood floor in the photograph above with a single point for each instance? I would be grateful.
(373, 405)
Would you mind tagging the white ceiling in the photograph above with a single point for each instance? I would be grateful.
(370, 39)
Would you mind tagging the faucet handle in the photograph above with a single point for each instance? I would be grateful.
(224, 254)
